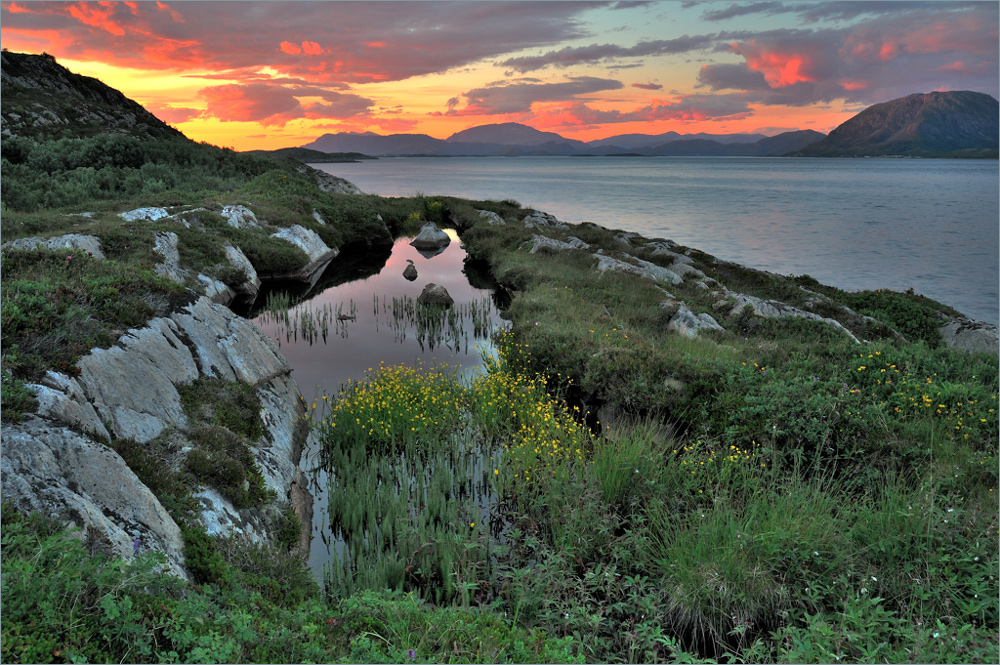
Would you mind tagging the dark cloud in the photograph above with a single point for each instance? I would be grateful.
(689, 108)
(518, 97)
(873, 61)
(647, 86)
(818, 11)
(736, 76)
(350, 42)
(574, 55)
(744, 9)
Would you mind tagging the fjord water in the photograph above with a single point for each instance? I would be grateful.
(926, 224)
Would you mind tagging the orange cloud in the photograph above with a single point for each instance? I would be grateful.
(290, 48)
(97, 16)
(312, 48)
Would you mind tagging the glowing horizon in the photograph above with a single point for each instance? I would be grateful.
(275, 74)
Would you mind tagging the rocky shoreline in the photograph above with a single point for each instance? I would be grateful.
(59, 461)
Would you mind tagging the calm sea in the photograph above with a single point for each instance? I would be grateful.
(929, 225)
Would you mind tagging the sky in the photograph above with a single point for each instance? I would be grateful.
(266, 75)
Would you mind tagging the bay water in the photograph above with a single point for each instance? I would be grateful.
(930, 225)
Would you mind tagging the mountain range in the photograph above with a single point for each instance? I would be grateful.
(937, 124)
(513, 138)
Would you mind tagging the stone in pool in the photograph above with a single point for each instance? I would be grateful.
(434, 294)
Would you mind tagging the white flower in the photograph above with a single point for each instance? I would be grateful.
(936, 635)
(864, 590)
(874, 579)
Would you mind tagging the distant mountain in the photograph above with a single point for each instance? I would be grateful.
(935, 124)
(43, 99)
(512, 139)
(769, 146)
(370, 143)
(510, 133)
(633, 141)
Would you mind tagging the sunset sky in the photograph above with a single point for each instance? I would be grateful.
(275, 74)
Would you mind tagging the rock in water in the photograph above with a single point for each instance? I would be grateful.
(410, 272)
(430, 237)
(436, 295)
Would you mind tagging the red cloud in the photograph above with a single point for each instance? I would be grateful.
(405, 38)
(312, 48)
(97, 15)
(172, 115)
(290, 48)
(274, 104)
(780, 67)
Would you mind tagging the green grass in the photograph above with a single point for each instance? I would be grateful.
(769, 493)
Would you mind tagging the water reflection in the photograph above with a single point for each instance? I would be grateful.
(361, 275)
(357, 294)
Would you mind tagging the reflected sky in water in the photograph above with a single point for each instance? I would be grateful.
(322, 367)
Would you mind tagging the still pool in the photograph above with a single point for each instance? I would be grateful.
(361, 301)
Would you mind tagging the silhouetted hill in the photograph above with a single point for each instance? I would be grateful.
(935, 124)
(510, 133)
(308, 156)
(39, 98)
(634, 141)
(766, 147)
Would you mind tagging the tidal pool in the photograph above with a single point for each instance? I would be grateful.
(359, 316)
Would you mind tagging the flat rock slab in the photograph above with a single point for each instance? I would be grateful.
(58, 472)
(70, 241)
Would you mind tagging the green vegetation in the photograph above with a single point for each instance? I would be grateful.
(772, 492)
(224, 422)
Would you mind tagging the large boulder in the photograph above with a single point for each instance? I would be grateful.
(687, 323)
(410, 271)
(435, 294)
(318, 252)
(430, 238)
(491, 217)
(547, 245)
(541, 220)
(249, 287)
(969, 335)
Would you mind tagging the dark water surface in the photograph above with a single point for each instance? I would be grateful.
(926, 224)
